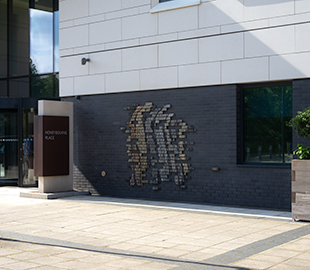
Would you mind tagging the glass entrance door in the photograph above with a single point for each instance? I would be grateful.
(8, 145)
(17, 141)
(28, 178)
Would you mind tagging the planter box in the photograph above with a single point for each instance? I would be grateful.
(301, 189)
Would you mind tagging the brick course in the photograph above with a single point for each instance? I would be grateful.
(101, 146)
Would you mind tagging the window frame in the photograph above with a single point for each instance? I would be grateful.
(240, 126)
(172, 4)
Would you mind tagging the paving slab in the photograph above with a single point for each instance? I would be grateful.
(92, 232)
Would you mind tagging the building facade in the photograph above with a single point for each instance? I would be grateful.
(186, 100)
(29, 69)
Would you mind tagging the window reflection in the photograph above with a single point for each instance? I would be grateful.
(3, 88)
(56, 80)
(19, 38)
(28, 140)
(29, 34)
(19, 87)
(267, 138)
(44, 50)
(8, 145)
(3, 39)
(56, 41)
(41, 40)
(46, 5)
(42, 86)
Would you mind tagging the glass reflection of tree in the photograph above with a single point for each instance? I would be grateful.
(41, 85)
(265, 112)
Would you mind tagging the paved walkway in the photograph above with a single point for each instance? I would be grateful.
(88, 232)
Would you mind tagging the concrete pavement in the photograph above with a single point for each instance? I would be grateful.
(89, 232)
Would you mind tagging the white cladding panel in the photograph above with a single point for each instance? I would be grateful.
(141, 25)
(178, 20)
(104, 6)
(209, 43)
(178, 53)
(221, 47)
(140, 57)
(272, 41)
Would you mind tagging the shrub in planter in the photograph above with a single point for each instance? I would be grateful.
(303, 152)
(301, 124)
(301, 168)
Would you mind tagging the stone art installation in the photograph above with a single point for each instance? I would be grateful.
(156, 146)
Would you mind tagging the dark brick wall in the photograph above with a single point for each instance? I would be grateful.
(100, 145)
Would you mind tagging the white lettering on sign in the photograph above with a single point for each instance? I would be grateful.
(50, 134)
(56, 132)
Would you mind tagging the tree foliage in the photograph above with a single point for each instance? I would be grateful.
(301, 123)
(266, 109)
(42, 85)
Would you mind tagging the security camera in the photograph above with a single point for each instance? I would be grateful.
(84, 61)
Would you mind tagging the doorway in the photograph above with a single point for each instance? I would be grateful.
(16, 141)
(9, 145)
(27, 160)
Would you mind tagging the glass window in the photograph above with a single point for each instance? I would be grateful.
(3, 39)
(44, 48)
(56, 41)
(41, 40)
(28, 140)
(19, 87)
(266, 137)
(56, 80)
(29, 46)
(42, 86)
(19, 38)
(8, 145)
(45, 5)
(3, 88)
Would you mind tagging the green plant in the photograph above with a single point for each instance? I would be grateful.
(303, 152)
(301, 123)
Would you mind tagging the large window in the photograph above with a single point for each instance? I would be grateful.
(29, 48)
(44, 49)
(41, 40)
(18, 38)
(3, 43)
(266, 136)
